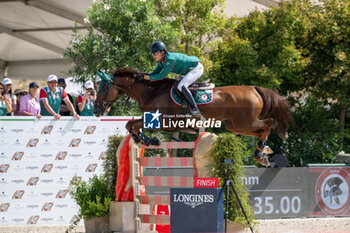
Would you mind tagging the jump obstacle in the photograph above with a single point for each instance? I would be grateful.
(164, 181)
(144, 202)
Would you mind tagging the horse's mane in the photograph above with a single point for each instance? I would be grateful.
(125, 71)
(130, 71)
(155, 87)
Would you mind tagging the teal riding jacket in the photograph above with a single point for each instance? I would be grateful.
(177, 63)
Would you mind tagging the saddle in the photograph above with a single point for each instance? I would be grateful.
(194, 87)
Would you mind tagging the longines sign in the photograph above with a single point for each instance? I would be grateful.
(196, 210)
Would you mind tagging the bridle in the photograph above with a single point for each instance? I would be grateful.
(108, 80)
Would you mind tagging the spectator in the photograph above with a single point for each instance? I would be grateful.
(8, 92)
(19, 94)
(51, 97)
(5, 106)
(29, 105)
(64, 110)
(86, 101)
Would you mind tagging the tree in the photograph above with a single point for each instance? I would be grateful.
(263, 49)
(120, 35)
(199, 24)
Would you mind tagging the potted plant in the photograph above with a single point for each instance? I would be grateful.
(93, 196)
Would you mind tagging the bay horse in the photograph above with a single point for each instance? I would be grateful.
(246, 110)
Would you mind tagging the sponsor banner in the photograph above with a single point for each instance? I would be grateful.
(40, 158)
(330, 188)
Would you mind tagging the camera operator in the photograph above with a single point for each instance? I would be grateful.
(86, 101)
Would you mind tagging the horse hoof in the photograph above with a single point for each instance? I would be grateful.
(261, 158)
(155, 141)
(258, 154)
(263, 161)
(267, 150)
(146, 141)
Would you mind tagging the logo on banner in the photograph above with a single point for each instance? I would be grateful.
(193, 200)
(17, 143)
(17, 155)
(3, 181)
(17, 130)
(33, 142)
(3, 156)
(47, 206)
(32, 130)
(32, 181)
(47, 129)
(2, 130)
(31, 206)
(18, 194)
(32, 167)
(4, 207)
(62, 193)
(4, 168)
(75, 180)
(33, 220)
(151, 120)
(332, 191)
(47, 168)
(91, 167)
(103, 155)
(75, 142)
(61, 155)
(90, 129)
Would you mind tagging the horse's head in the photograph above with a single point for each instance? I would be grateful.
(107, 93)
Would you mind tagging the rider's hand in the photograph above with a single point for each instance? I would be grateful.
(146, 77)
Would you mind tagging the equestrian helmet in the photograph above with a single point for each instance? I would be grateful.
(157, 46)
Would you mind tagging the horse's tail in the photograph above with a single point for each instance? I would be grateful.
(277, 108)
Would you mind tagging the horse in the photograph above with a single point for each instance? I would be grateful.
(245, 110)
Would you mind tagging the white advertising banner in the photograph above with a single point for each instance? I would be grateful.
(38, 160)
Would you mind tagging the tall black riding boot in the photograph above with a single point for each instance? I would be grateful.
(188, 95)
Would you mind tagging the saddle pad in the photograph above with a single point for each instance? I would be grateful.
(202, 97)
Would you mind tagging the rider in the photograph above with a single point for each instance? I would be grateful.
(188, 66)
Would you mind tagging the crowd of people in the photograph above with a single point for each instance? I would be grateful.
(51, 100)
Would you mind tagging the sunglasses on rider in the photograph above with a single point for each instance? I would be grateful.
(156, 53)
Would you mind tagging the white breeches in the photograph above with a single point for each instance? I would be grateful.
(191, 76)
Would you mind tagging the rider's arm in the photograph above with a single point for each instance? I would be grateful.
(168, 65)
(157, 69)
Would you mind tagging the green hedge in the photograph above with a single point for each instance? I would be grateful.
(230, 146)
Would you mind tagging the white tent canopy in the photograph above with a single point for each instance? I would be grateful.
(34, 34)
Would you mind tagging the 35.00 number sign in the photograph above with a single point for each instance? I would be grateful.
(284, 205)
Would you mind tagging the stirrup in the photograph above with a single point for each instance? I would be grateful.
(195, 112)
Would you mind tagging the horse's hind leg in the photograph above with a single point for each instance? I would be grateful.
(260, 129)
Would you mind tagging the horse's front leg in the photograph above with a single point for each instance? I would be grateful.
(135, 132)
(130, 128)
